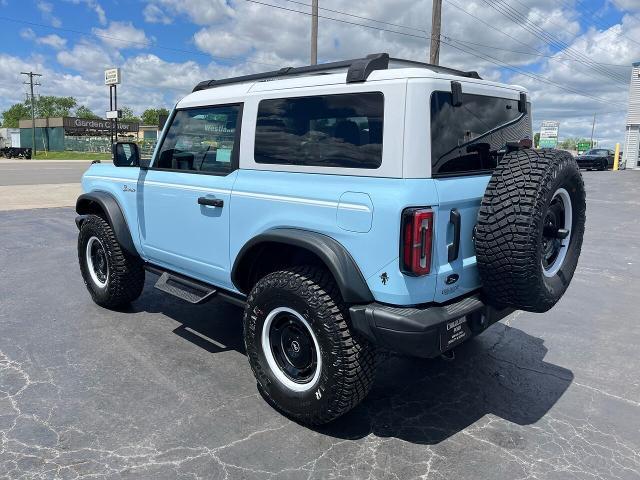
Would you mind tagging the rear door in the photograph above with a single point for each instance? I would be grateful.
(467, 142)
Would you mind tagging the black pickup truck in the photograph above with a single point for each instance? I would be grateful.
(15, 152)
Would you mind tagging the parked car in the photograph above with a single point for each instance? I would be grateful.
(596, 158)
(347, 207)
(15, 152)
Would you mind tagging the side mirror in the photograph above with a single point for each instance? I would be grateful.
(126, 154)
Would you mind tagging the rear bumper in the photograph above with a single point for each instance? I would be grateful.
(417, 331)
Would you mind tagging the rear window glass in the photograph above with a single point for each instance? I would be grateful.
(324, 131)
(473, 137)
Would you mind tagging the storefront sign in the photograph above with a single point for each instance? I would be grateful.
(112, 76)
(81, 124)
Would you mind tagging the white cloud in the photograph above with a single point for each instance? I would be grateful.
(154, 14)
(201, 12)
(95, 6)
(88, 58)
(122, 35)
(46, 9)
(52, 40)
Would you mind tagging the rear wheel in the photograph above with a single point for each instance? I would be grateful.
(530, 228)
(113, 277)
(307, 361)
(603, 165)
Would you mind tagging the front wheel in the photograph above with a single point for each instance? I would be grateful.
(112, 276)
(307, 361)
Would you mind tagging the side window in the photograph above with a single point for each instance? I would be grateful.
(342, 130)
(473, 137)
(202, 140)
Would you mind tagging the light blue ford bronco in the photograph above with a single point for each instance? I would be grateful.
(348, 207)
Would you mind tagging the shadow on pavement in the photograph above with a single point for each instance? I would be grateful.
(502, 373)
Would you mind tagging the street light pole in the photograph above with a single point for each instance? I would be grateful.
(593, 128)
(436, 19)
(314, 32)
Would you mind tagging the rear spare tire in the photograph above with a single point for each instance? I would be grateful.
(530, 228)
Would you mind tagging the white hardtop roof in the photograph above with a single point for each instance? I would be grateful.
(236, 92)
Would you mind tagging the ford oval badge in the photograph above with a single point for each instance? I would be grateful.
(451, 279)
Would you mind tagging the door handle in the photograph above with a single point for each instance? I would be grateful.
(453, 249)
(210, 202)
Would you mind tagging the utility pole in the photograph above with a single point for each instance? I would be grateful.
(33, 110)
(593, 128)
(436, 19)
(314, 32)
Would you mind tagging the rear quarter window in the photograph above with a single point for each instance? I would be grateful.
(343, 130)
(472, 138)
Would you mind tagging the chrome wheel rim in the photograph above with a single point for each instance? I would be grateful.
(556, 235)
(97, 262)
(291, 349)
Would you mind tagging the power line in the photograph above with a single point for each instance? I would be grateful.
(539, 52)
(369, 19)
(588, 13)
(519, 19)
(532, 75)
(502, 7)
(135, 42)
(478, 54)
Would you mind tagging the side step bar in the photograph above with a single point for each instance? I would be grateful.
(188, 289)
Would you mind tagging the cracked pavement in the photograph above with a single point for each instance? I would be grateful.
(164, 391)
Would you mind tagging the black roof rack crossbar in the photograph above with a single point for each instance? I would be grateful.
(358, 70)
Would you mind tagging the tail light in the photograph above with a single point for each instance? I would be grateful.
(416, 240)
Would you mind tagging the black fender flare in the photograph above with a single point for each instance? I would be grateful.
(94, 202)
(345, 271)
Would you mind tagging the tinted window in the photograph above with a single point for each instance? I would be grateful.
(325, 131)
(473, 137)
(201, 140)
(598, 152)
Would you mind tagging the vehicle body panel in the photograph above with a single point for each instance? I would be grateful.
(359, 208)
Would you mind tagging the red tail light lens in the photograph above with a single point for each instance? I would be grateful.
(416, 241)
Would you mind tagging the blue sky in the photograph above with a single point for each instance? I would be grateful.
(166, 46)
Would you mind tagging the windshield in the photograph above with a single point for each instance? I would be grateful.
(473, 137)
(596, 151)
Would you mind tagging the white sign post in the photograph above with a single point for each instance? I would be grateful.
(112, 76)
(112, 80)
(549, 134)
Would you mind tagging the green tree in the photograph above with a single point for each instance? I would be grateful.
(86, 113)
(151, 116)
(52, 106)
(536, 140)
(15, 113)
(128, 115)
(571, 143)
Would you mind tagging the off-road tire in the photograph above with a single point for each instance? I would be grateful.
(126, 273)
(509, 233)
(348, 360)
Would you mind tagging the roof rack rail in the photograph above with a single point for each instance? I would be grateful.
(358, 70)
(435, 68)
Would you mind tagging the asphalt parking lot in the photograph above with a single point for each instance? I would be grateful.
(164, 390)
